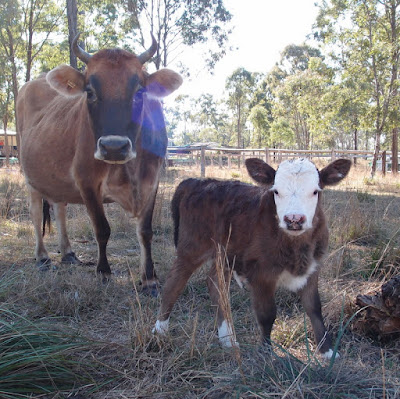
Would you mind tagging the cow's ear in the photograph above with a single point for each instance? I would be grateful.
(334, 172)
(163, 82)
(66, 80)
(260, 171)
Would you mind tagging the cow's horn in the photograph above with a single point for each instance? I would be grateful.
(144, 57)
(78, 51)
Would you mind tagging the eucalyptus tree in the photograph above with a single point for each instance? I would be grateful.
(259, 117)
(369, 51)
(25, 26)
(299, 84)
(180, 24)
(239, 86)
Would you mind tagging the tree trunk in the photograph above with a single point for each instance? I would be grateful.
(29, 44)
(239, 138)
(5, 125)
(355, 145)
(381, 317)
(14, 78)
(376, 152)
(395, 150)
(72, 15)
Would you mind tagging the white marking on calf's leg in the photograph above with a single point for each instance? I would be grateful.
(161, 327)
(328, 355)
(226, 336)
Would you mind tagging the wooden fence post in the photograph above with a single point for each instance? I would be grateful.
(333, 155)
(279, 157)
(203, 163)
(229, 161)
(220, 160)
(267, 155)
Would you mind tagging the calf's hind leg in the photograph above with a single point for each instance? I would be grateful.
(175, 283)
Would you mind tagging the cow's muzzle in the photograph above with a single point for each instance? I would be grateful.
(114, 149)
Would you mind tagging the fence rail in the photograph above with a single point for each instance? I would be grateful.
(221, 156)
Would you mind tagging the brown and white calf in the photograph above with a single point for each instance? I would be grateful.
(274, 235)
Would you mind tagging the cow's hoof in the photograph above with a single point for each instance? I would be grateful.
(151, 290)
(70, 259)
(45, 265)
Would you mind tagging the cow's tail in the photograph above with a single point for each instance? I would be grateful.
(175, 204)
(46, 216)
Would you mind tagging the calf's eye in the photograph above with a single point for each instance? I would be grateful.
(276, 192)
(316, 192)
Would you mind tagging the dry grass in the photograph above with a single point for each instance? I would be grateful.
(128, 362)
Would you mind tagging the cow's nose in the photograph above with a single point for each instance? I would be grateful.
(114, 149)
(294, 221)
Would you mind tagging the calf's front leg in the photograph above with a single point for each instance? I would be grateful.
(217, 290)
(263, 299)
(312, 304)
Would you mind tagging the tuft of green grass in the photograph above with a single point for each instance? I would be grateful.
(38, 359)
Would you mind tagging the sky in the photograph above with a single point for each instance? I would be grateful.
(262, 29)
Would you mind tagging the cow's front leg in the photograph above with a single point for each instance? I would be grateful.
(144, 231)
(67, 256)
(312, 304)
(94, 205)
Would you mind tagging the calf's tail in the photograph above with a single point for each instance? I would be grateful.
(46, 216)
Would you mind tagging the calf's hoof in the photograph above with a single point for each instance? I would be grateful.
(161, 327)
(71, 259)
(105, 278)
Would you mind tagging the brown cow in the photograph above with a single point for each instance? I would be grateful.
(95, 137)
(272, 237)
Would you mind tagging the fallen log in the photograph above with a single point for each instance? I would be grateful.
(381, 318)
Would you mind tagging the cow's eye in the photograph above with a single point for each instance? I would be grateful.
(276, 192)
(316, 192)
(91, 95)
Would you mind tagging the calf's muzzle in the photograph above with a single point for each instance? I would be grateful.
(294, 222)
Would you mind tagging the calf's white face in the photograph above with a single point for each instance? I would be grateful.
(296, 186)
(296, 189)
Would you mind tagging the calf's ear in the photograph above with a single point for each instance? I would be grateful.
(334, 172)
(66, 80)
(163, 82)
(260, 171)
